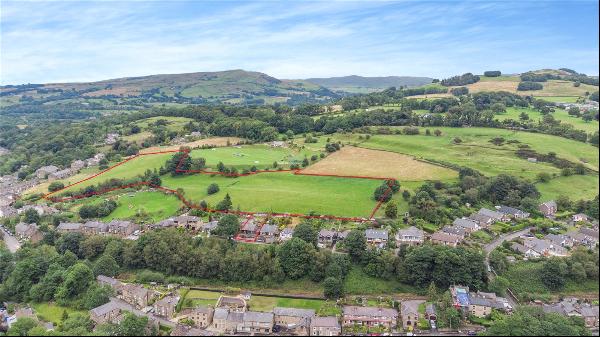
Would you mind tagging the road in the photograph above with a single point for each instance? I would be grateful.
(11, 242)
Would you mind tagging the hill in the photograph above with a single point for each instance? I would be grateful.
(360, 84)
(229, 87)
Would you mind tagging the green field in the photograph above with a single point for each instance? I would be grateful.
(359, 283)
(477, 152)
(128, 170)
(154, 206)
(575, 187)
(560, 114)
(284, 192)
(267, 303)
(246, 156)
(173, 123)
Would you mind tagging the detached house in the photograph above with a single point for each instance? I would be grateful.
(189, 222)
(249, 229)
(513, 213)
(579, 217)
(494, 215)
(441, 238)
(268, 233)
(326, 238)
(468, 225)
(369, 316)
(548, 208)
(377, 237)
(286, 234)
(411, 236)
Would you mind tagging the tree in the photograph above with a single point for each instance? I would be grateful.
(228, 225)
(106, 265)
(383, 193)
(533, 321)
(31, 216)
(544, 177)
(296, 257)
(76, 282)
(356, 244)
(55, 186)
(391, 210)
(333, 288)
(224, 204)
(524, 116)
(212, 189)
(21, 327)
(553, 274)
(307, 232)
(133, 325)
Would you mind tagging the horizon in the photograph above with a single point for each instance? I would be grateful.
(61, 42)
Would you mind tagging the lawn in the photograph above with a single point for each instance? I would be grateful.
(283, 192)
(477, 152)
(245, 156)
(359, 283)
(173, 123)
(267, 303)
(154, 206)
(560, 114)
(51, 312)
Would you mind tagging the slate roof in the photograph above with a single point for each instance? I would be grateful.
(351, 310)
(490, 213)
(512, 211)
(410, 307)
(466, 223)
(328, 321)
(410, 231)
(105, 308)
(293, 312)
(69, 226)
(269, 229)
(380, 234)
(256, 316)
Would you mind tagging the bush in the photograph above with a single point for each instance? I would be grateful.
(55, 186)
(148, 276)
(527, 85)
(459, 91)
(212, 189)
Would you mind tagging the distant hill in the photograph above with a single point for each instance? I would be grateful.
(356, 84)
(229, 87)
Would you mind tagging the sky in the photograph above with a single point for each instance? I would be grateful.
(67, 41)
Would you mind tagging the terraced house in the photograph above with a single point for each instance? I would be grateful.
(369, 317)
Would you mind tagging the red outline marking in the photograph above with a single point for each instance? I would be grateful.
(189, 204)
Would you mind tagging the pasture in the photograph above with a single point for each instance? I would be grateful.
(260, 155)
(153, 206)
(130, 169)
(559, 114)
(283, 192)
(215, 141)
(355, 161)
(575, 187)
(171, 123)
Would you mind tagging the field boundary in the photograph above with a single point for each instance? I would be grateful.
(390, 181)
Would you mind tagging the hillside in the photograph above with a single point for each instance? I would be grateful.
(360, 84)
(229, 87)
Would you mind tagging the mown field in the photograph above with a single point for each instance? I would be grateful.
(260, 155)
(153, 205)
(560, 114)
(283, 192)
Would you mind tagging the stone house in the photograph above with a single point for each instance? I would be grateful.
(137, 295)
(409, 311)
(94, 228)
(376, 237)
(189, 222)
(325, 326)
(201, 316)
(441, 238)
(326, 238)
(106, 313)
(122, 227)
(28, 232)
(410, 236)
(549, 208)
(268, 233)
(295, 320)
(165, 307)
(369, 317)
(513, 213)
(69, 227)
(254, 322)
(286, 234)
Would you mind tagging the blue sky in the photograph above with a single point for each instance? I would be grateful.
(61, 41)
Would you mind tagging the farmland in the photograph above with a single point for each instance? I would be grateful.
(559, 114)
(354, 161)
(152, 206)
(246, 156)
(283, 192)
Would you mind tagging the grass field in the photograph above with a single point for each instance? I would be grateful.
(560, 114)
(358, 283)
(246, 156)
(153, 205)
(173, 123)
(551, 88)
(477, 152)
(575, 187)
(128, 170)
(284, 192)
(215, 141)
(355, 161)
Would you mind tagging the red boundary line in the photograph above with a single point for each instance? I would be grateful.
(187, 203)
